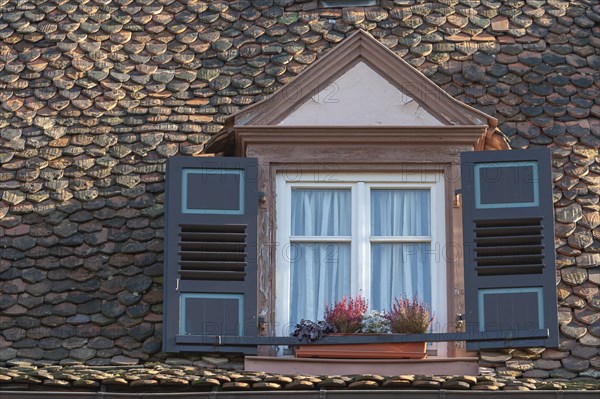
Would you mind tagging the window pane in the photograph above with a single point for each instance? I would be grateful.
(400, 213)
(321, 212)
(320, 274)
(399, 269)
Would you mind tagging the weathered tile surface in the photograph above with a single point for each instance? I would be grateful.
(161, 377)
(95, 94)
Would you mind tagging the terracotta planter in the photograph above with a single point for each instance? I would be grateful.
(388, 350)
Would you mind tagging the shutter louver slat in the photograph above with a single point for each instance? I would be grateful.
(212, 252)
(211, 256)
(512, 261)
(508, 249)
(213, 236)
(214, 246)
(524, 239)
(212, 275)
(208, 265)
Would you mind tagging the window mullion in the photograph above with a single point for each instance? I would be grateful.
(362, 241)
(354, 252)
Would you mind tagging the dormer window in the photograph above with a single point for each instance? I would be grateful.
(357, 183)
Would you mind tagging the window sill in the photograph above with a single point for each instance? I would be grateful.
(292, 365)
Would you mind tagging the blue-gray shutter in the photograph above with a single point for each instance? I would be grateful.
(210, 276)
(509, 256)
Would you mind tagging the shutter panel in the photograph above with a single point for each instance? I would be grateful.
(508, 228)
(210, 286)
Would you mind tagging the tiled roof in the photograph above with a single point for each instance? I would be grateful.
(180, 66)
(161, 377)
(95, 94)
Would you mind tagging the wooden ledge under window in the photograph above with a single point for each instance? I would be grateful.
(292, 365)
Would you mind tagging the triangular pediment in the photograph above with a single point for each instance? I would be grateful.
(360, 97)
(360, 82)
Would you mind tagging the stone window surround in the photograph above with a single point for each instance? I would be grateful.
(301, 154)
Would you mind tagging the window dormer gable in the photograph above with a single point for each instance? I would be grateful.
(359, 83)
(343, 62)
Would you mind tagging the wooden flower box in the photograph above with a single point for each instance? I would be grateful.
(388, 350)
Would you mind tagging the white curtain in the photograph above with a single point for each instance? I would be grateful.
(320, 271)
(320, 275)
(400, 213)
(321, 212)
(400, 268)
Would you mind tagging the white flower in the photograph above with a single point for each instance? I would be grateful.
(375, 322)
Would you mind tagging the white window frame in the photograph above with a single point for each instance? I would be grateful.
(360, 186)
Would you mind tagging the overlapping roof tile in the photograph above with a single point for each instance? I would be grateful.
(182, 378)
(94, 94)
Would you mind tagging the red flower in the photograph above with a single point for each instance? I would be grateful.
(347, 315)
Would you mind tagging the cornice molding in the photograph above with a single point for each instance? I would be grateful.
(356, 135)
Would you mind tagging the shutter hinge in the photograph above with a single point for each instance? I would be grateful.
(457, 202)
(262, 325)
(460, 322)
(177, 285)
(262, 197)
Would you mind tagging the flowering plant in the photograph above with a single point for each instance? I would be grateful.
(347, 314)
(312, 331)
(376, 323)
(409, 316)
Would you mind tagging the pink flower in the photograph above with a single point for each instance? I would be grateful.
(409, 316)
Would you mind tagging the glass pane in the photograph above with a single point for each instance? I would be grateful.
(320, 274)
(400, 213)
(321, 212)
(400, 269)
